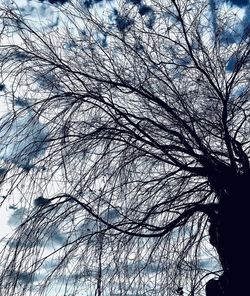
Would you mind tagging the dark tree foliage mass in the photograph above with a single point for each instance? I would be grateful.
(125, 149)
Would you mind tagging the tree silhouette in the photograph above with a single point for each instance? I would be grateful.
(144, 169)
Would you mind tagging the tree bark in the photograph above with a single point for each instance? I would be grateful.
(229, 234)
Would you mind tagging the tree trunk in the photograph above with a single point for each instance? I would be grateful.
(229, 234)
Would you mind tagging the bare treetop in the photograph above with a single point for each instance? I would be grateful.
(146, 111)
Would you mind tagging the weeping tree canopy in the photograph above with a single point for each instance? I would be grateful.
(127, 125)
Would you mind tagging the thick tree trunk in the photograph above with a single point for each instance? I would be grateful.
(229, 234)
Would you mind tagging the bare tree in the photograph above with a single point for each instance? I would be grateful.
(144, 155)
